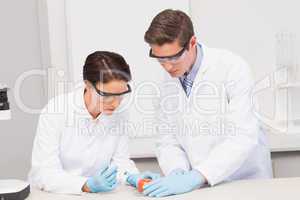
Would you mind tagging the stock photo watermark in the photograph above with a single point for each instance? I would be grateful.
(209, 99)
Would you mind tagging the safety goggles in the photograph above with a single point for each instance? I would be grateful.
(107, 96)
(172, 58)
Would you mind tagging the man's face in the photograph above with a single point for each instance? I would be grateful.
(176, 66)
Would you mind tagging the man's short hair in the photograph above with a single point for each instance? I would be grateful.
(168, 26)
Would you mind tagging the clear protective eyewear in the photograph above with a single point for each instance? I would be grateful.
(108, 97)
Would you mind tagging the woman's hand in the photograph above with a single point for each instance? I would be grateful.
(105, 181)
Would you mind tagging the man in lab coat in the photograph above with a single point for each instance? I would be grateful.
(208, 132)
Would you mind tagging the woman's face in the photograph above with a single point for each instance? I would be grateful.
(107, 103)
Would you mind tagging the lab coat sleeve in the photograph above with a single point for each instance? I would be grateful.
(226, 158)
(171, 155)
(169, 152)
(122, 161)
(121, 157)
(47, 172)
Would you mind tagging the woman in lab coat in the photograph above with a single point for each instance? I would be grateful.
(81, 142)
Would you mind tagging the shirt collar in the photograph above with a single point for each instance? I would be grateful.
(191, 75)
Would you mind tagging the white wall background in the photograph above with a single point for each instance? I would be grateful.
(252, 29)
(119, 26)
(20, 51)
(76, 35)
(68, 36)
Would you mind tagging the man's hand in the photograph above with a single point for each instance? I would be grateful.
(175, 183)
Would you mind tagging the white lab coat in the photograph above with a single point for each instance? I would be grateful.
(70, 146)
(214, 130)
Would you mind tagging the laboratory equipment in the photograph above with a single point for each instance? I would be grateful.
(141, 184)
(10, 189)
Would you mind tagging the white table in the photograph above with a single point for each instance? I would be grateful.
(273, 189)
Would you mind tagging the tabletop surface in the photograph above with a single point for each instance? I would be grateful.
(284, 188)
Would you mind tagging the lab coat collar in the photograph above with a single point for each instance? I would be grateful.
(205, 60)
(205, 63)
(208, 61)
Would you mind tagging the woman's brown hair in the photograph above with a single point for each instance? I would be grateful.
(104, 66)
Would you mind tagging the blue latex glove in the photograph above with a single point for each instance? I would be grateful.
(177, 171)
(105, 181)
(133, 179)
(175, 183)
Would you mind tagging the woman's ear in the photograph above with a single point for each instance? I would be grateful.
(193, 41)
(88, 84)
